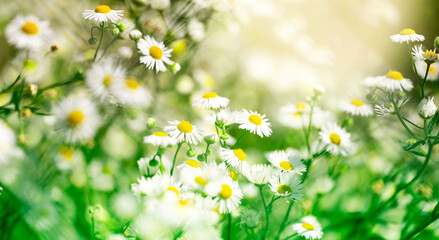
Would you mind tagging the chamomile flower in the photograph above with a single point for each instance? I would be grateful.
(183, 131)
(157, 186)
(76, 118)
(211, 100)
(28, 32)
(221, 117)
(371, 82)
(427, 108)
(407, 35)
(155, 54)
(433, 71)
(33, 67)
(386, 108)
(429, 56)
(159, 138)
(8, 148)
(286, 185)
(235, 157)
(259, 174)
(394, 81)
(227, 194)
(286, 162)
(200, 177)
(337, 140)
(189, 165)
(102, 76)
(356, 107)
(103, 13)
(309, 228)
(131, 92)
(254, 122)
(294, 115)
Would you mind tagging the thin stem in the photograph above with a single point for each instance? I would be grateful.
(414, 125)
(229, 226)
(402, 120)
(206, 151)
(421, 227)
(100, 41)
(239, 139)
(12, 84)
(267, 217)
(220, 142)
(175, 157)
(92, 227)
(108, 46)
(425, 79)
(58, 84)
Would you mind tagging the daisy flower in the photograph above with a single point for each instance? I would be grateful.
(155, 54)
(386, 108)
(394, 81)
(131, 92)
(356, 107)
(294, 115)
(183, 131)
(309, 228)
(421, 55)
(235, 157)
(77, 118)
(371, 82)
(159, 139)
(28, 32)
(407, 35)
(102, 76)
(254, 122)
(259, 174)
(8, 148)
(200, 177)
(286, 162)
(221, 117)
(337, 140)
(189, 165)
(211, 100)
(33, 67)
(103, 13)
(433, 71)
(427, 108)
(286, 185)
(227, 194)
(157, 186)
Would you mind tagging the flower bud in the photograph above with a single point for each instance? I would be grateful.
(153, 162)
(150, 123)
(318, 90)
(224, 137)
(174, 68)
(121, 26)
(210, 139)
(191, 153)
(427, 108)
(92, 41)
(135, 35)
(115, 32)
(33, 89)
(201, 157)
(26, 113)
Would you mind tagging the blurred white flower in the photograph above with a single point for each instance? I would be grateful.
(356, 107)
(103, 13)
(8, 148)
(29, 32)
(394, 81)
(102, 75)
(337, 140)
(427, 108)
(309, 228)
(407, 35)
(433, 71)
(286, 162)
(211, 100)
(259, 174)
(196, 30)
(131, 92)
(160, 4)
(286, 185)
(135, 34)
(159, 138)
(254, 122)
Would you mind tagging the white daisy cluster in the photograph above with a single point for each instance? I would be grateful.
(309, 228)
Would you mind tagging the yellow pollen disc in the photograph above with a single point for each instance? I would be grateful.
(240, 154)
(210, 95)
(226, 191)
(108, 80)
(285, 165)
(30, 64)
(283, 189)
(75, 118)
(200, 180)
(175, 190)
(233, 175)
(357, 102)
(132, 83)
(432, 70)
(160, 134)
(335, 138)
(103, 9)
(30, 28)
(407, 31)
(155, 52)
(300, 106)
(193, 163)
(183, 202)
(394, 75)
(185, 127)
(429, 54)
(255, 119)
(307, 226)
(297, 114)
(66, 152)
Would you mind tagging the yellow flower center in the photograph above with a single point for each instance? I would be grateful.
(255, 119)
(226, 191)
(155, 52)
(108, 80)
(160, 134)
(30, 28)
(103, 9)
(210, 95)
(193, 163)
(185, 127)
(75, 118)
(335, 138)
(132, 83)
(407, 31)
(183, 202)
(429, 55)
(200, 180)
(357, 102)
(287, 166)
(233, 175)
(67, 152)
(240, 154)
(300, 106)
(283, 189)
(297, 114)
(30, 64)
(432, 70)
(173, 189)
(307, 226)
(394, 75)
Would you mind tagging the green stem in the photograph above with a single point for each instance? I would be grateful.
(12, 84)
(421, 227)
(402, 120)
(239, 139)
(100, 41)
(414, 125)
(267, 216)
(175, 157)
(425, 80)
(92, 226)
(205, 152)
(229, 226)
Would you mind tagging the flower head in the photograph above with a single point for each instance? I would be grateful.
(254, 122)
(394, 81)
(103, 13)
(286, 162)
(356, 107)
(337, 140)
(427, 108)
(211, 100)
(407, 35)
(236, 158)
(309, 228)
(259, 174)
(28, 32)
(286, 185)
(183, 131)
(155, 54)
(159, 138)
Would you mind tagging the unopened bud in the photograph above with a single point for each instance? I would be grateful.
(224, 137)
(115, 32)
(427, 108)
(436, 43)
(210, 139)
(92, 41)
(201, 157)
(150, 123)
(174, 68)
(135, 35)
(318, 90)
(122, 26)
(191, 153)
(33, 89)
(26, 113)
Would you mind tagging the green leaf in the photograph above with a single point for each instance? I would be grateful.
(409, 147)
(432, 123)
